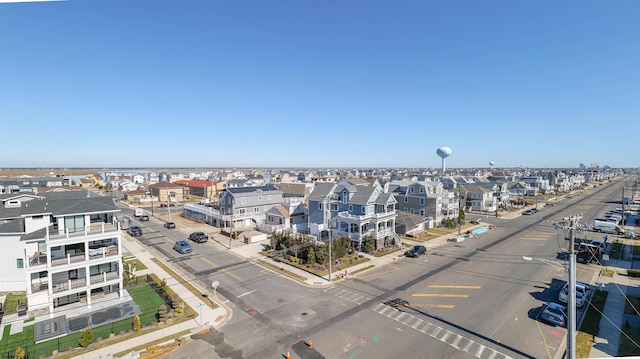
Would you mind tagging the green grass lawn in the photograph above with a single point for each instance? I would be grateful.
(10, 343)
(11, 302)
(146, 298)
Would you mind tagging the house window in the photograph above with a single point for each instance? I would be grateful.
(406, 209)
(269, 197)
(20, 263)
(256, 210)
(334, 206)
(422, 201)
(243, 200)
(74, 223)
(422, 212)
(411, 210)
(319, 205)
(350, 208)
(264, 208)
(259, 198)
(270, 219)
(406, 200)
(421, 189)
(42, 247)
(364, 209)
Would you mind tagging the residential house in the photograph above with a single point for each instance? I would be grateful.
(200, 188)
(479, 197)
(62, 249)
(425, 198)
(244, 207)
(412, 225)
(30, 184)
(352, 210)
(168, 192)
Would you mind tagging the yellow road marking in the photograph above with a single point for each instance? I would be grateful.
(224, 271)
(544, 340)
(456, 286)
(440, 295)
(443, 306)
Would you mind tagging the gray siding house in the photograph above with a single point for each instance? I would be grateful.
(243, 207)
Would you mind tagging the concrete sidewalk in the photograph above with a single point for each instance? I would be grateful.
(608, 338)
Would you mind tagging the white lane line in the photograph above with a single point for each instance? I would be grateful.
(247, 293)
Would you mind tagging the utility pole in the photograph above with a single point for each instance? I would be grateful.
(571, 224)
(328, 210)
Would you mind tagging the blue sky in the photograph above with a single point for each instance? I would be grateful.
(332, 83)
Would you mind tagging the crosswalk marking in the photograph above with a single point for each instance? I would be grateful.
(470, 347)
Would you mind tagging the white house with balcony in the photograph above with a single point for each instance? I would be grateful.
(355, 211)
(62, 249)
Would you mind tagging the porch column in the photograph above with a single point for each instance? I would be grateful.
(88, 297)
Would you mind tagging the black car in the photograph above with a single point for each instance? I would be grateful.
(199, 237)
(170, 225)
(134, 231)
(416, 251)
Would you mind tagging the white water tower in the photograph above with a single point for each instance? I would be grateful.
(491, 164)
(443, 152)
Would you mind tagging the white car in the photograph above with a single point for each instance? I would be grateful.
(582, 293)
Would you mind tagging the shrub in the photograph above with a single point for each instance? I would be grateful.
(20, 353)
(633, 273)
(86, 338)
(162, 313)
(136, 323)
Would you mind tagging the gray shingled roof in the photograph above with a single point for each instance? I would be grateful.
(321, 191)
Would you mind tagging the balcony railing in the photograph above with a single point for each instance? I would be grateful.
(39, 286)
(103, 277)
(37, 259)
(70, 284)
(363, 217)
(70, 258)
(93, 228)
(103, 252)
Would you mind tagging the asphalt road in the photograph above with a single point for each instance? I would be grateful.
(475, 299)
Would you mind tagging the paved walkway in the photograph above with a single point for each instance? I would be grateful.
(607, 341)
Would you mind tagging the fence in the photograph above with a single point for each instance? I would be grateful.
(45, 349)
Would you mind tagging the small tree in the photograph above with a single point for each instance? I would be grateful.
(136, 323)
(86, 338)
(311, 256)
(369, 244)
(20, 353)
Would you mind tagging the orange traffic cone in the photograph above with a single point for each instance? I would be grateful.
(310, 344)
(288, 356)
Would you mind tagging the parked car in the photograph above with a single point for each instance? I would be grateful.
(416, 251)
(535, 210)
(170, 225)
(582, 292)
(167, 205)
(134, 231)
(144, 217)
(555, 313)
(199, 237)
(182, 246)
(529, 212)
